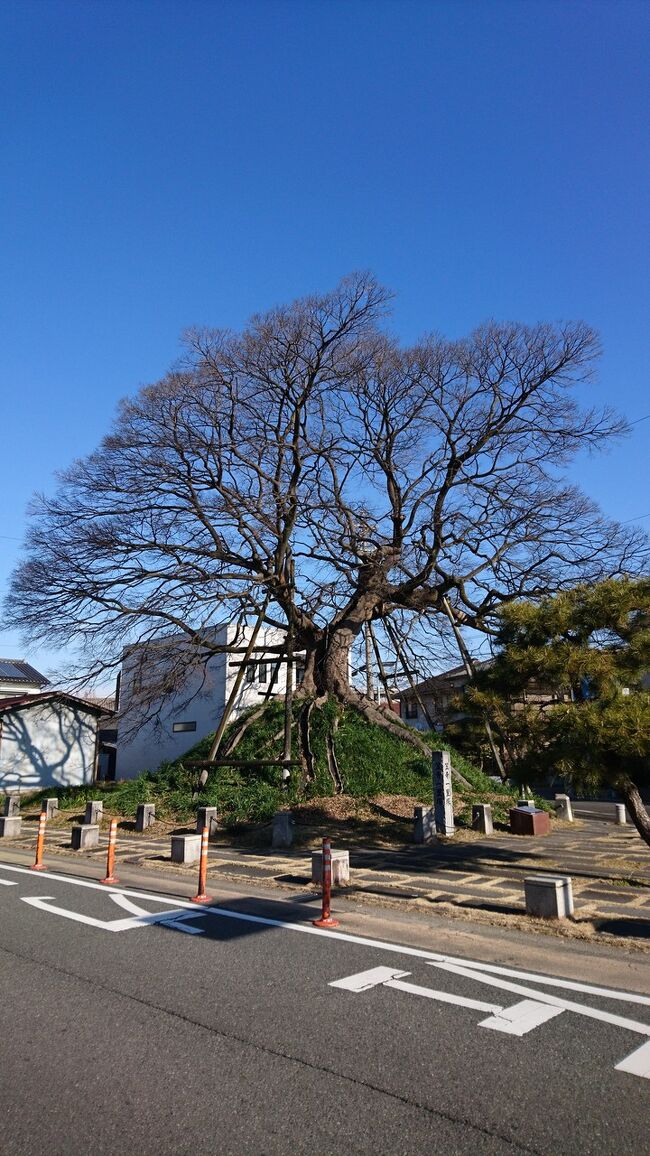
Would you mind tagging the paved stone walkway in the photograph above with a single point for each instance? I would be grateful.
(610, 868)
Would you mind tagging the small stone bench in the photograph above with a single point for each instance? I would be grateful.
(10, 826)
(84, 836)
(94, 812)
(549, 896)
(186, 848)
(340, 868)
(206, 817)
(145, 816)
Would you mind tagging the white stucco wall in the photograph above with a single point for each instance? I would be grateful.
(145, 742)
(51, 744)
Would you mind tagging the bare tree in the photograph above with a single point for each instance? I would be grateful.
(392, 482)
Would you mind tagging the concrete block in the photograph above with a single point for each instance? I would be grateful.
(424, 825)
(51, 807)
(549, 896)
(145, 816)
(529, 821)
(282, 832)
(94, 812)
(206, 817)
(11, 807)
(564, 808)
(84, 836)
(482, 818)
(620, 818)
(186, 848)
(340, 868)
(10, 826)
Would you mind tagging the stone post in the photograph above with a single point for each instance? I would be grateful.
(206, 817)
(11, 806)
(620, 818)
(482, 818)
(563, 808)
(443, 799)
(549, 896)
(145, 816)
(424, 825)
(51, 807)
(282, 834)
(94, 812)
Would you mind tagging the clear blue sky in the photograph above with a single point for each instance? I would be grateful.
(176, 163)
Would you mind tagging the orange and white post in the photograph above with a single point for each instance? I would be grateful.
(201, 896)
(326, 916)
(40, 843)
(111, 877)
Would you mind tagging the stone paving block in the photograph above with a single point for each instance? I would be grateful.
(186, 848)
(84, 836)
(10, 826)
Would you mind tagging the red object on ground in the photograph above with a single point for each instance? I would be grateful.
(326, 918)
(40, 842)
(110, 858)
(524, 822)
(201, 896)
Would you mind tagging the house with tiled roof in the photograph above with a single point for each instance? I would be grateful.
(18, 677)
(48, 739)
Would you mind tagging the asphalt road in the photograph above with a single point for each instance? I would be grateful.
(221, 1032)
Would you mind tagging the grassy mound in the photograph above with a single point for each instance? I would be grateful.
(371, 761)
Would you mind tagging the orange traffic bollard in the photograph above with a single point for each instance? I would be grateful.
(201, 896)
(110, 858)
(40, 842)
(326, 918)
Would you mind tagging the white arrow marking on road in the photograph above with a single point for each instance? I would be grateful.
(521, 1017)
(8, 883)
(638, 1063)
(44, 903)
(174, 919)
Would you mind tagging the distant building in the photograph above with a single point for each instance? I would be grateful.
(169, 698)
(48, 740)
(437, 701)
(17, 677)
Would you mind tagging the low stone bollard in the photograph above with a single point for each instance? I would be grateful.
(340, 868)
(186, 848)
(563, 808)
(10, 826)
(549, 896)
(145, 816)
(51, 808)
(85, 836)
(620, 818)
(206, 817)
(94, 812)
(11, 808)
(424, 825)
(282, 831)
(482, 818)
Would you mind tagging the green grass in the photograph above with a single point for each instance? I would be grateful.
(371, 761)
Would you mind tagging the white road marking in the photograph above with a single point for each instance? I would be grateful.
(8, 883)
(364, 980)
(551, 981)
(43, 903)
(521, 1017)
(442, 996)
(638, 1064)
(544, 997)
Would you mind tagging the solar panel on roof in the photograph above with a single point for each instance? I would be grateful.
(8, 670)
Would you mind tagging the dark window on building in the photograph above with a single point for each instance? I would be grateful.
(251, 671)
(263, 672)
(411, 708)
(184, 726)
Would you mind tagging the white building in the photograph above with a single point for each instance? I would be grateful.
(157, 723)
(47, 740)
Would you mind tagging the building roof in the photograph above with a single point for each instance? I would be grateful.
(25, 701)
(17, 670)
(438, 682)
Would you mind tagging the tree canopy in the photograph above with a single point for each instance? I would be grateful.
(568, 689)
(316, 472)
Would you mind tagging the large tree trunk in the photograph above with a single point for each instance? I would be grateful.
(637, 808)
